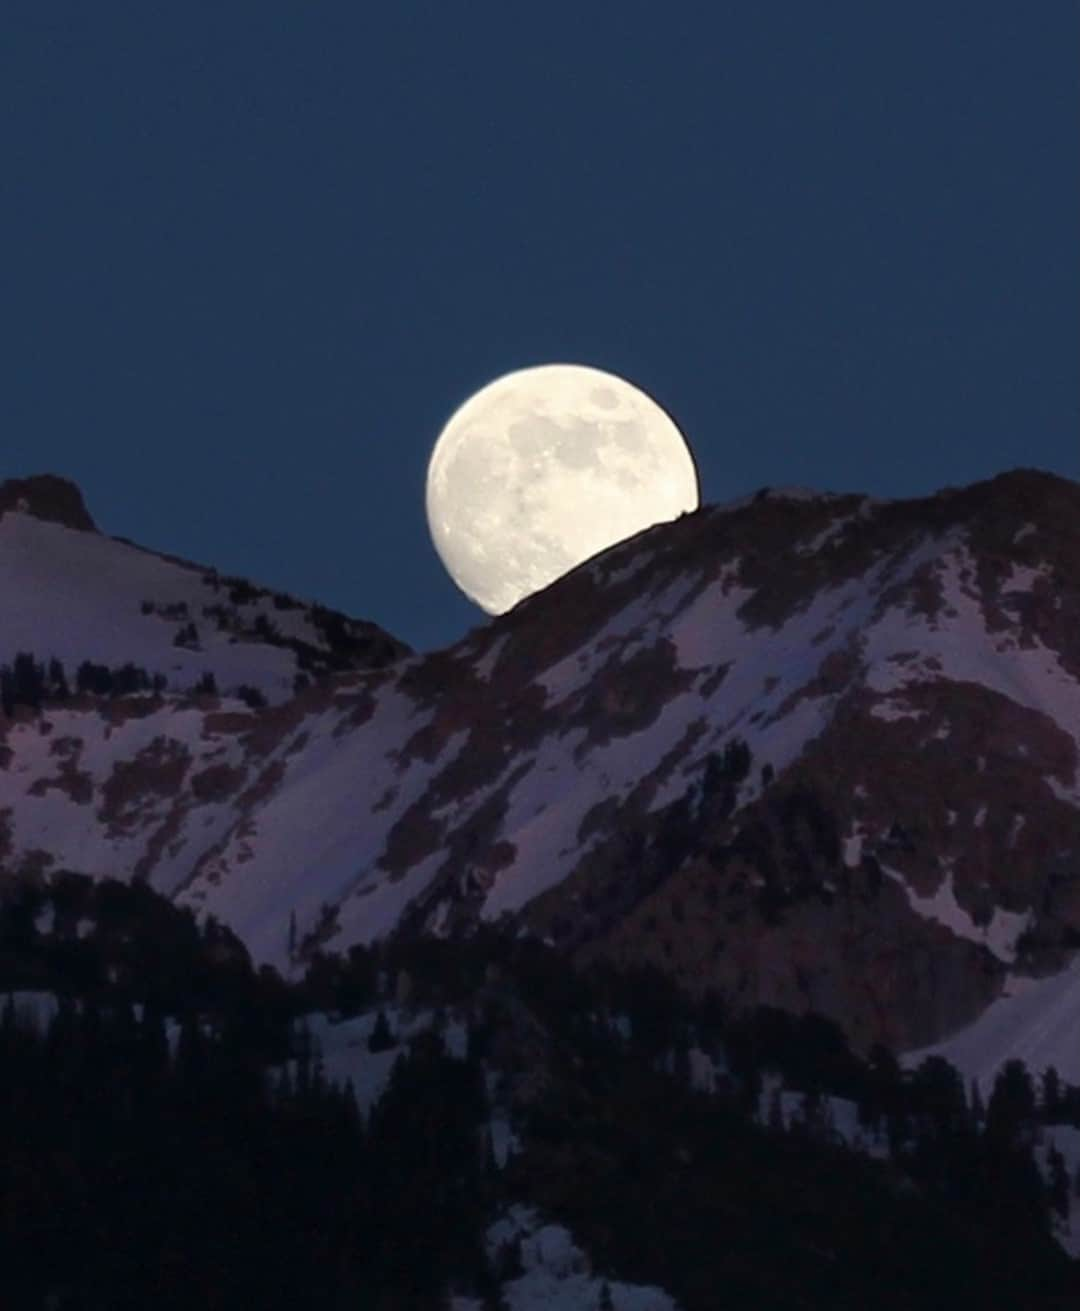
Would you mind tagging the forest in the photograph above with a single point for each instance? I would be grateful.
(169, 1135)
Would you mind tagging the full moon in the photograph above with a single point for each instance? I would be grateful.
(543, 468)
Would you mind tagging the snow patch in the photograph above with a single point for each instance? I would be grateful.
(890, 711)
(504, 1141)
(853, 847)
(33, 1010)
(557, 1275)
(835, 1119)
(485, 666)
(341, 1046)
(999, 936)
(1034, 1020)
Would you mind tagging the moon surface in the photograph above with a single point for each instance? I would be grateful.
(543, 468)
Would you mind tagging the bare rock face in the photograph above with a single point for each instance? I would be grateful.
(907, 832)
(815, 751)
(925, 841)
(47, 496)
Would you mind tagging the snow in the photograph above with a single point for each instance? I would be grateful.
(557, 1275)
(456, 1039)
(1015, 827)
(704, 1071)
(891, 712)
(311, 845)
(33, 1010)
(999, 936)
(1032, 677)
(836, 527)
(853, 847)
(609, 577)
(504, 1141)
(353, 828)
(342, 1047)
(1035, 1021)
(316, 841)
(835, 1118)
(85, 591)
(74, 833)
(829, 533)
(485, 665)
(566, 780)
(1063, 793)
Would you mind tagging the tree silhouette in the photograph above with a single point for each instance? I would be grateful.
(381, 1038)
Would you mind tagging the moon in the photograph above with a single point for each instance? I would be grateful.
(543, 468)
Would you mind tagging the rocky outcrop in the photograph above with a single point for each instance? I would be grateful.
(47, 496)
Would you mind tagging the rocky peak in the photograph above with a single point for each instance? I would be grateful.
(47, 496)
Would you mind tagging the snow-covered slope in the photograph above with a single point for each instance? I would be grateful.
(75, 595)
(906, 676)
(1036, 1021)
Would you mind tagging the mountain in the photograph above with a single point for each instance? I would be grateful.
(74, 594)
(816, 751)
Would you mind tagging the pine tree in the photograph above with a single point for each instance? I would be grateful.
(1058, 1184)
(978, 1110)
(507, 1262)
(776, 1113)
(491, 1162)
(58, 680)
(28, 680)
(1051, 1094)
(381, 1039)
(1012, 1104)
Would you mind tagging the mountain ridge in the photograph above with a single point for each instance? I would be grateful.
(570, 763)
(77, 595)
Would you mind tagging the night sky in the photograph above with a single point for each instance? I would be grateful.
(254, 254)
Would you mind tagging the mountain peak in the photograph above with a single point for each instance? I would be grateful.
(47, 496)
(813, 751)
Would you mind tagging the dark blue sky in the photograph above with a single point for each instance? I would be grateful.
(254, 254)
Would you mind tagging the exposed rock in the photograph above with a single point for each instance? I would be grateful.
(899, 832)
(47, 496)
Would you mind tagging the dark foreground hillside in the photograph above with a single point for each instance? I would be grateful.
(168, 1136)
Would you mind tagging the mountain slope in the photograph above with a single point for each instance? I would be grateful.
(77, 595)
(905, 675)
